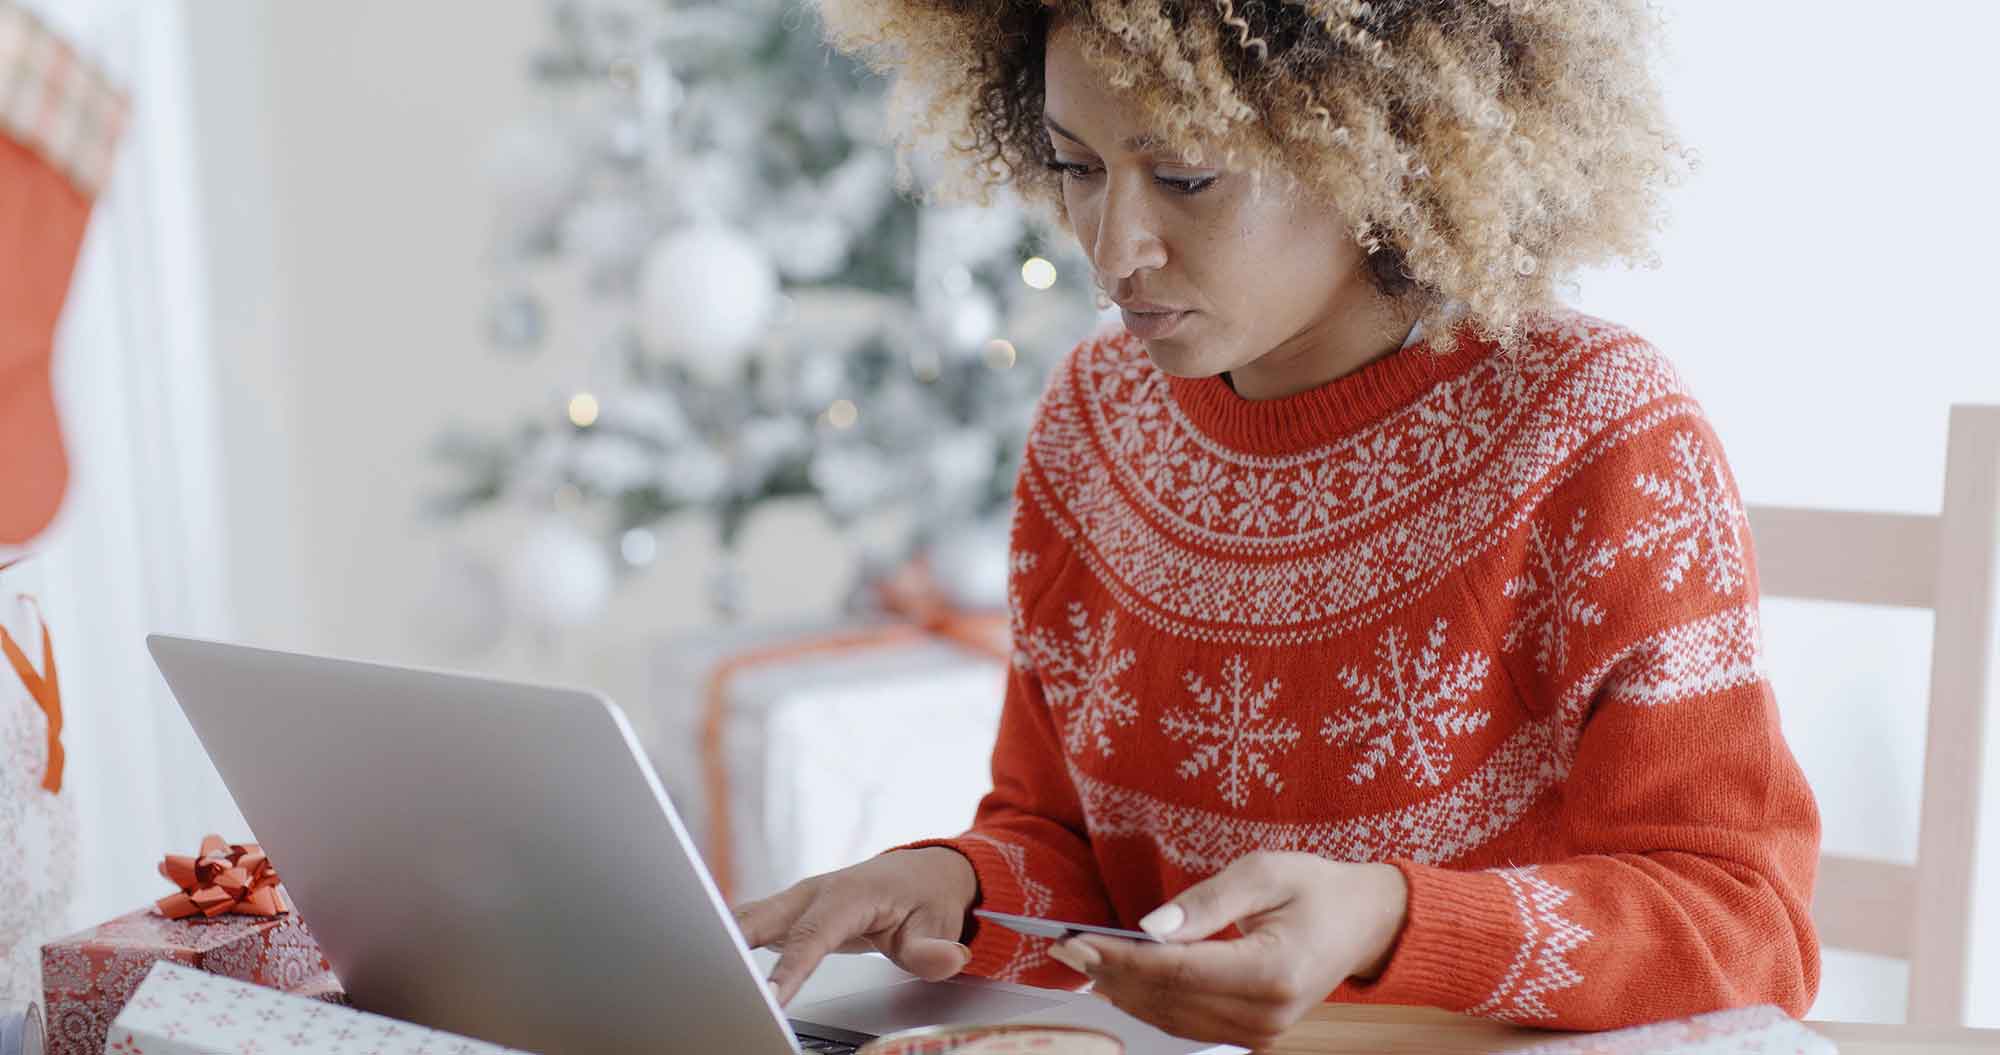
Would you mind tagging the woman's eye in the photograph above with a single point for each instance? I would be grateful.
(1077, 170)
(1188, 186)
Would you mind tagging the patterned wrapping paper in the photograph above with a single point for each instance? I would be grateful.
(87, 977)
(177, 1011)
(1760, 1030)
(38, 834)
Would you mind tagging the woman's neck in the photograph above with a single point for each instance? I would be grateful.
(1282, 373)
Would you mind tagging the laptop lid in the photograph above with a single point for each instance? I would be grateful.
(486, 857)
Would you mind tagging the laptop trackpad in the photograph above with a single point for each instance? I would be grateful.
(907, 1005)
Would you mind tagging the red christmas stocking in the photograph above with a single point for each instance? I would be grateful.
(59, 121)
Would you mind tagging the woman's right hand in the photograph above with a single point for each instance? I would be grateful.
(909, 904)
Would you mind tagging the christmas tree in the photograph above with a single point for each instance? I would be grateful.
(783, 321)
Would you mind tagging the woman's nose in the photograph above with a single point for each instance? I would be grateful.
(1127, 240)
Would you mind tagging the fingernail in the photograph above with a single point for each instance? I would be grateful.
(963, 949)
(1162, 922)
(1064, 954)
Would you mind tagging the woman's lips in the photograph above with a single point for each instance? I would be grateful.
(1150, 326)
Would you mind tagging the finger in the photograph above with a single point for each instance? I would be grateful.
(932, 959)
(1242, 967)
(925, 945)
(818, 931)
(1250, 885)
(765, 922)
(851, 945)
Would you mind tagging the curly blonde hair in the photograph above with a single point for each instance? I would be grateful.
(1484, 150)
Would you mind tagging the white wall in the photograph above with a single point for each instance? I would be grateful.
(1821, 291)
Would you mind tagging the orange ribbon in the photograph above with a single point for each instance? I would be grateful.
(910, 592)
(224, 877)
(42, 686)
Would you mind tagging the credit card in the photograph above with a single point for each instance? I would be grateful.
(1036, 927)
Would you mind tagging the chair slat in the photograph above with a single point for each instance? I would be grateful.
(1865, 906)
(1846, 555)
(1962, 661)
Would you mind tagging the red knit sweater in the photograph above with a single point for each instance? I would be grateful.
(1491, 618)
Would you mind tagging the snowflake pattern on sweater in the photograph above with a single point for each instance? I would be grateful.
(1416, 701)
(1490, 617)
(1237, 737)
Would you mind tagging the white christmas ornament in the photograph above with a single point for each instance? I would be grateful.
(639, 546)
(705, 293)
(559, 576)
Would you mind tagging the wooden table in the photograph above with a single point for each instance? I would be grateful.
(1352, 1029)
(1341, 1029)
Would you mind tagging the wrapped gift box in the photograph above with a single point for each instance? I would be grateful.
(87, 977)
(179, 1011)
(822, 750)
(1760, 1030)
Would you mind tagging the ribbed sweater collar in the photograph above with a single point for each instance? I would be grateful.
(1328, 412)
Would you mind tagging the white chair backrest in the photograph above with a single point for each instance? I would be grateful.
(1946, 563)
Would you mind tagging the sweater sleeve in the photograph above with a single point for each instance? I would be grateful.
(1681, 875)
(1028, 847)
(1027, 843)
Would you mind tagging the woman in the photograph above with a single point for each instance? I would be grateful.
(1384, 630)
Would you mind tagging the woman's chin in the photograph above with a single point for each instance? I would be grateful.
(1177, 360)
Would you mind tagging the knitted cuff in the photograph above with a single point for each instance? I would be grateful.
(1461, 933)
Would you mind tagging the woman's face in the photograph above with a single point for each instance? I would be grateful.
(1271, 282)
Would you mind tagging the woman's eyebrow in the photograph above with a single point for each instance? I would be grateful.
(1137, 144)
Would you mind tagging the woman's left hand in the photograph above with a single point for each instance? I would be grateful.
(1308, 925)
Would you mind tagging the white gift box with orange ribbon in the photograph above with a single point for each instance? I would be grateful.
(181, 1011)
(794, 750)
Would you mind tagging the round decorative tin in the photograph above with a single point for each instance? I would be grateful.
(1024, 1039)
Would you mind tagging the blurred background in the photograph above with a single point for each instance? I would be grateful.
(579, 343)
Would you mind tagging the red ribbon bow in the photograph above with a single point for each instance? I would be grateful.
(224, 877)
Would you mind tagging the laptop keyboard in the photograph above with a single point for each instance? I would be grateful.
(828, 1047)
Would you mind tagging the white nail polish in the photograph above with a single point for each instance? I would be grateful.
(1163, 921)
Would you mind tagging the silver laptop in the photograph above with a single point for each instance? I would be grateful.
(500, 860)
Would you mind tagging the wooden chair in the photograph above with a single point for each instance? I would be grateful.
(1922, 912)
